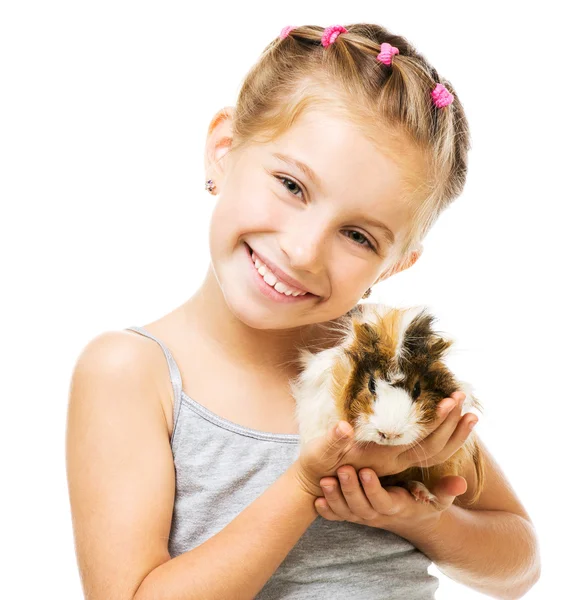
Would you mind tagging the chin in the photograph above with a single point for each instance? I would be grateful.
(250, 315)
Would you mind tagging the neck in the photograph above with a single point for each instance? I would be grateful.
(207, 313)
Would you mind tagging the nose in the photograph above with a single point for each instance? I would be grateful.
(305, 248)
(389, 436)
(303, 257)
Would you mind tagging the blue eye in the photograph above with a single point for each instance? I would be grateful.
(368, 244)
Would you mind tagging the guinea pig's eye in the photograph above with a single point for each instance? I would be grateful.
(417, 390)
(372, 385)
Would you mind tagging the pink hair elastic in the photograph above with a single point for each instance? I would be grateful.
(331, 33)
(441, 96)
(386, 54)
(286, 31)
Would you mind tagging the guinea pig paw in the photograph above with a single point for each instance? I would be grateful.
(421, 493)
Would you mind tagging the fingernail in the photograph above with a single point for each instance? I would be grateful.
(472, 423)
(365, 476)
(344, 476)
(447, 405)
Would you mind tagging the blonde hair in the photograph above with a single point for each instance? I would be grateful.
(391, 105)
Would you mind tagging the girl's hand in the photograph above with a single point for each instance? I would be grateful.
(322, 456)
(393, 508)
(445, 436)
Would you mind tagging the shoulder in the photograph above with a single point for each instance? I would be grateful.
(115, 352)
(128, 359)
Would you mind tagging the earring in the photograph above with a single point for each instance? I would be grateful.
(209, 186)
(367, 293)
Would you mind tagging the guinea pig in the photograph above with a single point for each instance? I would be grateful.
(385, 376)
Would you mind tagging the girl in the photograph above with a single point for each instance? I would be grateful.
(184, 470)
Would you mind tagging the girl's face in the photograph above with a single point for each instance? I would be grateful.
(319, 229)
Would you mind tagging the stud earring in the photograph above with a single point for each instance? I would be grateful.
(209, 186)
(367, 293)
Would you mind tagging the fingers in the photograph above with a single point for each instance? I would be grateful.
(323, 508)
(444, 410)
(457, 439)
(444, 441)
(377, 495)
(422, 453)
(348, 500)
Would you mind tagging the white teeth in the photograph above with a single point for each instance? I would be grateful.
(281, 287)
(271, 280)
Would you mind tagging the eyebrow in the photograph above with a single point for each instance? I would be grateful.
(313, 177)
(299, 165)
(389, 235)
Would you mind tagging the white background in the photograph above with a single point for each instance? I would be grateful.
(104, 108)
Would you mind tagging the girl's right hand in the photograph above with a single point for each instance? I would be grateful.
(323, 455)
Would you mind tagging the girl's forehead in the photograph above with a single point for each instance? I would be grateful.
(333, 135)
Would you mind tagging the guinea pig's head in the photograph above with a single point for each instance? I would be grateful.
(391, 374)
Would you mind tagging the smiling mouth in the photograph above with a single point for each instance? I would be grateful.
(278, 276)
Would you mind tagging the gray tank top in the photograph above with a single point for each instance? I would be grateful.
(222, 467)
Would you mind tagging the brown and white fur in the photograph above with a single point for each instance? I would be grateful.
(385, 378)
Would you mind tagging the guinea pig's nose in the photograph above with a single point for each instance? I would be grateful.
(389, 436)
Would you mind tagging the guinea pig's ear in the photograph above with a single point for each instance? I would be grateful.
(364, 338)
(438, 346)
(365, 333)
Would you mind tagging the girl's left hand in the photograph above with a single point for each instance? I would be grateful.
(393, 508)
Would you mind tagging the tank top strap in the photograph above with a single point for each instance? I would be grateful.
(174, 372)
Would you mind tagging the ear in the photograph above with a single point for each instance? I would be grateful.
(365, 334)
(366, 340)
(219, 138)
(438, 347)
(405, 264)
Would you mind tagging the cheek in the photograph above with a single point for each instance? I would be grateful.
(347, 272)
(244, 211)
(349, 277)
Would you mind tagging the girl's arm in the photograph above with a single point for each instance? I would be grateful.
(491, 546)
(122, 485)
(237, 562)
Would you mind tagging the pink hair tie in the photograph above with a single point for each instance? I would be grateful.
(441, 96)
(387, 53)
(286, 31)
(331, 33)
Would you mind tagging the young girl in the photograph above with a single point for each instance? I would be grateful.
(184, 470)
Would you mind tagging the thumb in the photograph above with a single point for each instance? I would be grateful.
(448, 488)
(341, 432)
